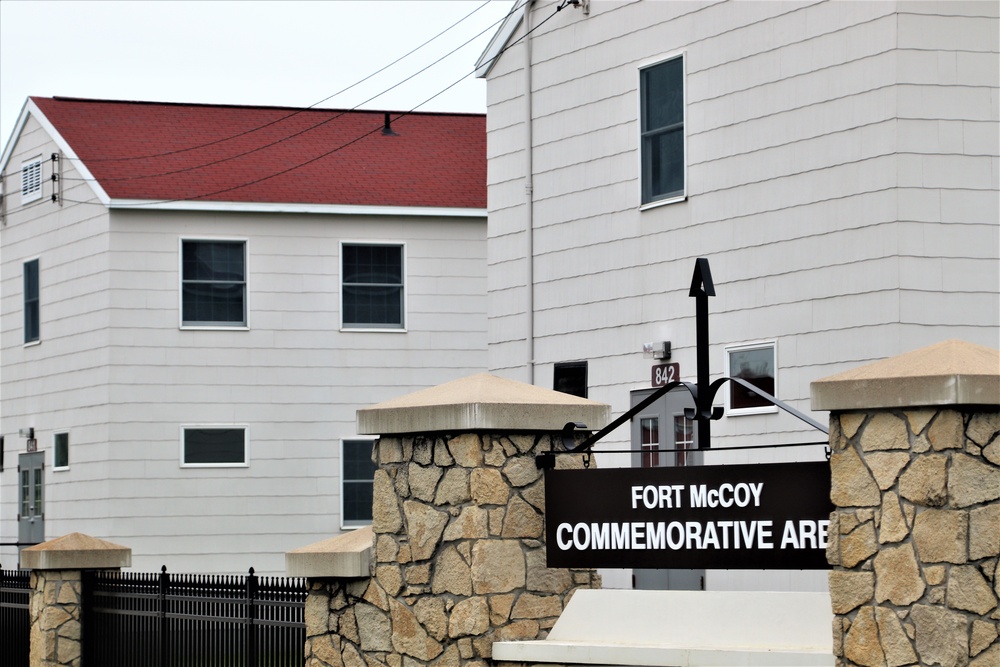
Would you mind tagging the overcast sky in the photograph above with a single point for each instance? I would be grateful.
(248, 52)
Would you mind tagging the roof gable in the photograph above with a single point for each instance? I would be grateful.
(216, 153)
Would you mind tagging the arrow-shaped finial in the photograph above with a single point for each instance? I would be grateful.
(701, 281)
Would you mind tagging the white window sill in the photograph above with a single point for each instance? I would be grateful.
(662, 202)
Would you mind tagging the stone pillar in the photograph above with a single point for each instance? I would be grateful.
(57, 593)
(915, 537)
(457, 548)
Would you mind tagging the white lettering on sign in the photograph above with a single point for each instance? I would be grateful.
(657, 497)
(677, 535)
(809, 534)
(726, 495)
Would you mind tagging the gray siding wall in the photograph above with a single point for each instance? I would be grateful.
(61, 383)
(842, 180)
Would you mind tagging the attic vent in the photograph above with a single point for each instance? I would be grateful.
(31, 180)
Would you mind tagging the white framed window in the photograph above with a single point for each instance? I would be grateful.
(31, 180)
(757, 364)
(357, 478)
(32, 301)
(372, 291)
(213, 283)
(663, 167)
(215, 446)
(60, 451)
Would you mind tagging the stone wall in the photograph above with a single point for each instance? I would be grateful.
(56, 598)
(458, 558)
(915, 538)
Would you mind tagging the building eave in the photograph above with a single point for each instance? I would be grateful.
(283, 207)
(500, 40)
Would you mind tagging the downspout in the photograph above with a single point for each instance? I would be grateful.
(529, 202)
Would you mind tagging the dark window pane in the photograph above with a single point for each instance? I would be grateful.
(756, 367)
(214, 445)
(664, 157)
(61, 450)
(664, 95)
(357, 502)
(31, 302)
(358, 460)
(571, 378)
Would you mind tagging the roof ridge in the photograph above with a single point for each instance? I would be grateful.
(93, 100)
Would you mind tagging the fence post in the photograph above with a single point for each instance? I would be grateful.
(57, 593)
(163, 629)
(251, 619)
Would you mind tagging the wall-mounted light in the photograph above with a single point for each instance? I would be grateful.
(658, 350)
(28, 433)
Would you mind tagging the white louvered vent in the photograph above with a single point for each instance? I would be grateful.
(31, 181)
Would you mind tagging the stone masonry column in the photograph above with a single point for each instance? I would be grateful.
(56, 579)
(456, 551)
(915, 538)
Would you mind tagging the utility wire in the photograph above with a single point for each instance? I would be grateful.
(559, 8)
(308, 129)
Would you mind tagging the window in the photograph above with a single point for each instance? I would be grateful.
(570, 378)
(649, 441)
(661, 91)
(684, 441)
(213, 283)
(31, 301)
(60, 451)
(357, 475)
(217, 446)
(31, 180)
(372, 294)
(755, 364)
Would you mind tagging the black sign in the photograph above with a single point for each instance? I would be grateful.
(769, 516)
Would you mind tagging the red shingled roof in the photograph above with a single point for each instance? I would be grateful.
(321, 156)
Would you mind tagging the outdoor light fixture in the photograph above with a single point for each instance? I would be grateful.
(659, 350)
(28, 433)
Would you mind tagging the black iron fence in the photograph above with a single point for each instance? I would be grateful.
(15, 622)
(194, 620)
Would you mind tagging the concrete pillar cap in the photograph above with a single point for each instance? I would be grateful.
(952, 372)
(346, 555)
(76, 551)
(481, 402)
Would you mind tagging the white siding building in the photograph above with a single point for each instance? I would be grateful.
(836, 162)
(189, 335)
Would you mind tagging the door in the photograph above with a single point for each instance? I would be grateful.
(663, 436)
(31, 498)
